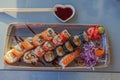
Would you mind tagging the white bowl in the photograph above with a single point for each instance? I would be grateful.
(64, 6)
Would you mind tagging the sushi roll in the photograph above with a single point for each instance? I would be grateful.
(75, 41)
(30, 57)
(68, 47)
(48, 45)
(81, 62)
(49, 56)
(48, 34)
(60, 51)
(65, 35)
(39, 51)
(38, 40)
(66, 60)
(57, 40)
(84, 37)
(27, 43)
(10, 57)
(18, 50)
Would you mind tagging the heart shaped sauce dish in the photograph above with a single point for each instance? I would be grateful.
(64, 12)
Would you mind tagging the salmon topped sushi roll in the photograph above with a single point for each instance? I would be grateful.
(38, 40)
(65, 35)
(18, 50)
(48, 45)
(10, 57)
(48, 34)
(39, 51)
(30, 57)
(66, 60)
(49, 56)
(57, 40)
(27, 43)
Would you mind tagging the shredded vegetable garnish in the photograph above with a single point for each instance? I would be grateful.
(88, 54)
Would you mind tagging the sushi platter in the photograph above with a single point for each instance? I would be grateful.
(56, 46)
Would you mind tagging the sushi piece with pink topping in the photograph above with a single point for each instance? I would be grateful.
(65, 35)
(48, 45)
(57, 40)
(39, 51)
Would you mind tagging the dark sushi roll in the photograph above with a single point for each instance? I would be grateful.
(39, 51)
(48, 45)
(68, 47)
(57, 40)
(49, 56)
(84, 37)
(75, 41)
(65, 35)
(59, 50)
(30, 57)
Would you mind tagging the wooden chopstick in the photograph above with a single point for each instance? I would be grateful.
(27, 9)
(30, 29)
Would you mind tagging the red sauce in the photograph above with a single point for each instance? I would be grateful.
(63, 13)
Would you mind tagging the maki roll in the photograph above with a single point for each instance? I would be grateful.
(49, 56)
(39, 51)
(60, 51)
(76, 42)
(27, 43)
(18, 50)
(30, 57)
(48, 34)
(57, 40)
(65, 35)
(68, 47)
(48, 45)
(10, 57)
(38, 40)
(84, 37)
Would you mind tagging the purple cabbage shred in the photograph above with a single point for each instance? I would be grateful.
(88, 54)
